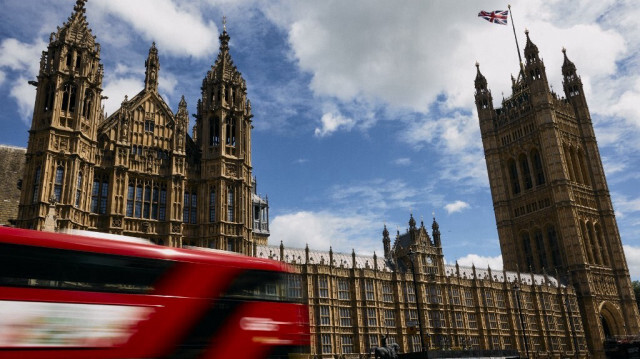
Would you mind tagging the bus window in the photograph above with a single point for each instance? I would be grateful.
(28, 266)
(261, 285)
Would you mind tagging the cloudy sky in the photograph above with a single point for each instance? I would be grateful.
(364, 109)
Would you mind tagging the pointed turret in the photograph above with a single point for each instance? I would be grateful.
(152, 65)
(386, 242)
(571, 81)
(484, 100)
(182, 125)
(306, 254)
(412, 222)
(435, 232)
(534, 67)
(481, 81)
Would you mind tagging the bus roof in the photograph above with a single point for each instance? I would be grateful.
(134, 248)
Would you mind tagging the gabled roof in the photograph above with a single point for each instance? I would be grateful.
(132, 104)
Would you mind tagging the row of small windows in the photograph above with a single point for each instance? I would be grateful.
(521, 174)
(518, 133)
(576, 165)
(146, 201)
(436, 319)
(532, 207)
(541, 250)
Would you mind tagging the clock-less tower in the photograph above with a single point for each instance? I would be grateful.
(552, 204)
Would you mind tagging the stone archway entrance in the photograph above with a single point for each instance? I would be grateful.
(611, 320)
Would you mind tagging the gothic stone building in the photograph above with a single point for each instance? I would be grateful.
(355, 300)
(139, 172)
(552, 204)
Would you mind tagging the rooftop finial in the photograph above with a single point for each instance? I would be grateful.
(224, 23)
(79, 6)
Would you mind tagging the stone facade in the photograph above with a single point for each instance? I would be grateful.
(138, 171)
(552, 204)
(356, 300)
(11, 167)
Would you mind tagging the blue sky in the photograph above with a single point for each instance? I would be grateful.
(364, 110)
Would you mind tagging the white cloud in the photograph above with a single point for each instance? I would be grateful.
(481, 261)
(23, 60)
(117, 88)
(456, 206)
(633, 260)
(178, 29)
(457, 137)
(25, 96)
(405, 161)
(378, 195)
(332, 122)
(320, 230)
(22, 57)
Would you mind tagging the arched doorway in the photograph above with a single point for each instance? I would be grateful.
(611, 320)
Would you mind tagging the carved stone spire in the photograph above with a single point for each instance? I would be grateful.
(153, 67)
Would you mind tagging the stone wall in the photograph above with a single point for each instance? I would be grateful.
(11, 166)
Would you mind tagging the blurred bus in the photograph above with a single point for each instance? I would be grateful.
(70, 296)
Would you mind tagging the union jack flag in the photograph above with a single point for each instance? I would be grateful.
(496, 17)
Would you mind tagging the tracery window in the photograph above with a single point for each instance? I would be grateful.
(537, 167)
(69, 98)
(58, 183)
(145, 199)
(36, 186)
(230, 204)
(190, 207)
(99, 194)
(513, 175)
(212, 205)
(526, 173)
(78, 190)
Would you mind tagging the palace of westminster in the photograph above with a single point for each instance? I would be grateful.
(565, 285)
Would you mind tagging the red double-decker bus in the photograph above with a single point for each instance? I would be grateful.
(70, 296)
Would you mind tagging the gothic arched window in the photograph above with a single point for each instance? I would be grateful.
(100, 195)
(526, 247)
(212, 205)
(36, 186)
(86, 107)
(79, 190)
(214, 131)
(537, 167)
(583, 168)
(57, 186)
(542, 255)
(552, 238)
(526, 173)
(69, 98)
(230, 204)
(231, 131)
(513, 175)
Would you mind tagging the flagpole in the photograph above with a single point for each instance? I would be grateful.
(516, 37)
